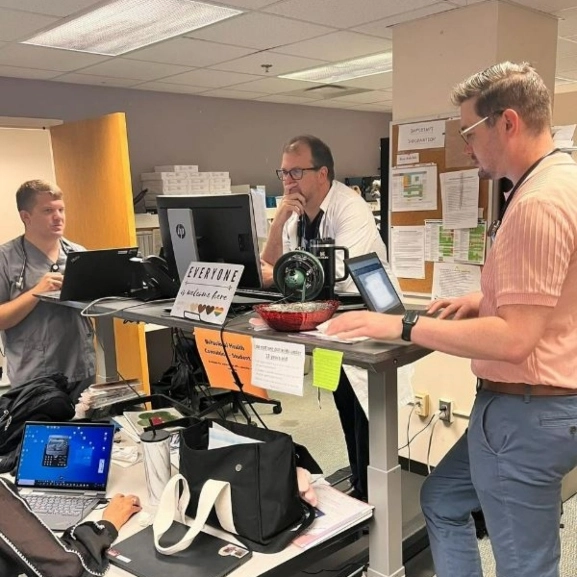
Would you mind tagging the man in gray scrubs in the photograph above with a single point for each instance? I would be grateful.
(41, 338)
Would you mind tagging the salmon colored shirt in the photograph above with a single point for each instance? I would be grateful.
(533, 261)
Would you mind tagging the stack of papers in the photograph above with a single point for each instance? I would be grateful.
(105, 394)
(335, 512)
(133, 422)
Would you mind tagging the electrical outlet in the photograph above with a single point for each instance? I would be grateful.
(422, 404)
(446, 408)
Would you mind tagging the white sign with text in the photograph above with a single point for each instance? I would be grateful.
(206, 292)
(278, 366)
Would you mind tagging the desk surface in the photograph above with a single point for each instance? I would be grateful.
(367, 354)
(131, 480)
(381, 360)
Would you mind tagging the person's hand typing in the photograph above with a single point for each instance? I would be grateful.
(51, 281)
(464, 307)
(120, 509)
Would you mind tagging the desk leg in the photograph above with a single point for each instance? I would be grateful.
(105, 350)
(384, 477)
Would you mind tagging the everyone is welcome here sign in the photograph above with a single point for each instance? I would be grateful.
(206, 292)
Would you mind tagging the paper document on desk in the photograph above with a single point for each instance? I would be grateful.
(220, 437)
(335, 512)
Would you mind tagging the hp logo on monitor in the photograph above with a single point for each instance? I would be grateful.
(180, 231)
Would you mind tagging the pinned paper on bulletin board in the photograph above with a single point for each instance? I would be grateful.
(218, 371)
(327, 368)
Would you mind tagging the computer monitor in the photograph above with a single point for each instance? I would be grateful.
(210, 228)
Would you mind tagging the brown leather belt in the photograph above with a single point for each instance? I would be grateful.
(524, 389)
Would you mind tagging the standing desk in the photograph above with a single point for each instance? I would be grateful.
(381, 361)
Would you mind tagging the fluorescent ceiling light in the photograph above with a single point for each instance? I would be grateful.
(366, 66)
(120, 26)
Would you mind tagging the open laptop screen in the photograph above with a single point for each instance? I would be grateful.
(374, 284)
(65, 456)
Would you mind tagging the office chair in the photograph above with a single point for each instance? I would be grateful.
(208, 399)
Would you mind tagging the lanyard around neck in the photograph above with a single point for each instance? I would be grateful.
(495, 225)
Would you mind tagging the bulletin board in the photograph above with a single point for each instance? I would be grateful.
(449, 158)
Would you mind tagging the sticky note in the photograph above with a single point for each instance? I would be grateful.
(327, 368)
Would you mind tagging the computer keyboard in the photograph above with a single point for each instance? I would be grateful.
(259, 293)
(61, 505)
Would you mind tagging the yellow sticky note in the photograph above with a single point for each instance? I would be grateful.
(327, 368)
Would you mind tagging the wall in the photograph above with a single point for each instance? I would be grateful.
(242, 137)
(24, 154)
(565, 108)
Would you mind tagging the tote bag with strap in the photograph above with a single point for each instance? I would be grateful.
(261, 504)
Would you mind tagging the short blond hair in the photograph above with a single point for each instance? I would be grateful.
(28, 192)
(508, 85)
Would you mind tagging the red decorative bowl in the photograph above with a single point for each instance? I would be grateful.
(294, 317)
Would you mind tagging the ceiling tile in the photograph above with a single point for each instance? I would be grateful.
(16, 25)
(286, 99)
(261, 31)
(567, 46)
(51, 7)
(211, 78)
(76, 78)
(346, 14)
(469, 2)
(549, 6)
(228, 93)
(134, 69)
(46, 58)
(337, 46)
(327, 103)
(568, 23)
(376, 28)
(273, 85)
(250, 4)
(189, 52)
(382, 81)
(167, 87)
(19, 72)
(281, 64)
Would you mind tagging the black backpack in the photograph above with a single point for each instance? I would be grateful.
(41, 399)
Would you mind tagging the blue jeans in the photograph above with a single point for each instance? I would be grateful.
(510, 463)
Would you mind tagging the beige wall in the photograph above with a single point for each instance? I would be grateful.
(434, 53)
(24, 154)
(565, 108)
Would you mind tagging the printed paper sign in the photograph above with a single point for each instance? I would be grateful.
(206, 292)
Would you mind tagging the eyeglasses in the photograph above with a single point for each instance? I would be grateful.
(465, 133)
(295, 173)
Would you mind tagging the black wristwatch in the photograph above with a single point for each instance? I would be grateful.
(409, 321)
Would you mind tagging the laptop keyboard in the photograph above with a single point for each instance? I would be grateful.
(61, 505)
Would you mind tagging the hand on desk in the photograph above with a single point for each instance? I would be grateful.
(306, 491)
(120, 509)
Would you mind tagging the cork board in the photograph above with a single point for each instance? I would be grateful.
(450, 158)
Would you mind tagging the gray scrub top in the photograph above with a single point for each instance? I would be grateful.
(52, 338)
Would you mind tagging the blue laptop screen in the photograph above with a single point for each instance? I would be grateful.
(65, 456)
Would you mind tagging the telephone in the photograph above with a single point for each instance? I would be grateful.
(153, 280)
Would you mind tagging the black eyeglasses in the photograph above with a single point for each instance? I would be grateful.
(295, 173)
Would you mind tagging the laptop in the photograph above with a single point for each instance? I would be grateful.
(94, 274)
(207, 556)
(63, 469)
(374, 284)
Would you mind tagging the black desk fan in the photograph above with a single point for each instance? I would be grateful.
(303, 275)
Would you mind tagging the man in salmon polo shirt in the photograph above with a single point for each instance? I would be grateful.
(520, 332)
